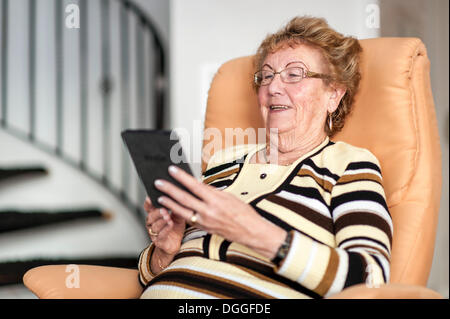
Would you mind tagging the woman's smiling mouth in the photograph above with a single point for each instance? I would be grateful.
(278, 108)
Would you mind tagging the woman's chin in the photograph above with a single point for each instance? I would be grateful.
(281, 127)
(281, 121)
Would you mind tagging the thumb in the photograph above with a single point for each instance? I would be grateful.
(176, 218)
(148, 204)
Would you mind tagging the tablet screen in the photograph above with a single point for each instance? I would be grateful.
(152, 152)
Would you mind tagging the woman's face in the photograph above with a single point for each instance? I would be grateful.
(307, 101)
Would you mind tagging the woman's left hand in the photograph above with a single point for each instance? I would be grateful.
(220, 213)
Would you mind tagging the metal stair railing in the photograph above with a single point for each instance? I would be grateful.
(150, 111)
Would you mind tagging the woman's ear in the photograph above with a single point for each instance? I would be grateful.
(337, 93)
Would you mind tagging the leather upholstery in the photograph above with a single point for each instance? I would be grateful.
(390, 291)
(50, 282)
(98, 282)
(393, 117)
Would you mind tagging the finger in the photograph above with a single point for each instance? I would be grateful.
(157, 226)
(154, 215)
(180, 195)
(167, 216)
(176, 208)
(165, 231)
(198, 188)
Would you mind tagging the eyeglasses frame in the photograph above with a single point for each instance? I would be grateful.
(308, 74)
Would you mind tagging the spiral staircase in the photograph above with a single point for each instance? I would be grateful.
(66, 94)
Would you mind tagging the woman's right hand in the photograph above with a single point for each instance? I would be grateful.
(166, 230)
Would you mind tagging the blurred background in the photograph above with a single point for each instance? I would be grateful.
(75, 73)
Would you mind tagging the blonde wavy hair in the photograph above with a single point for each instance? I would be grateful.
(340, 52)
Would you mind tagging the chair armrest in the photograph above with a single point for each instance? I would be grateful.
(389, 291)
(95, 282)
(99, 282)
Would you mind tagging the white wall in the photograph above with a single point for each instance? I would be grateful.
(206, 33)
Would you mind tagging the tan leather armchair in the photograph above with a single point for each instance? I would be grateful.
(393, 117)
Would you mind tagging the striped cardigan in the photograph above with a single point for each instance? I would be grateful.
(331, 199)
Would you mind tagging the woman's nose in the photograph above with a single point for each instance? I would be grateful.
(277, 85)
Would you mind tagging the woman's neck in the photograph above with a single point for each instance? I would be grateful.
(287, 149)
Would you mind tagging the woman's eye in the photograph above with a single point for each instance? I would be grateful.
(294, 76)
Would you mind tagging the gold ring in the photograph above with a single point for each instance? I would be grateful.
(151, 232)
(194, 218)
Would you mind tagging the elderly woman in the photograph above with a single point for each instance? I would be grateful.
(298, 217)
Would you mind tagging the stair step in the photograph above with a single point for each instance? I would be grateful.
(11, 172)
(11, 220)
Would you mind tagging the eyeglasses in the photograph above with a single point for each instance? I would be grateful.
(288, 75)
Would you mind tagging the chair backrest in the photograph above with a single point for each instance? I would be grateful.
(393, 116)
